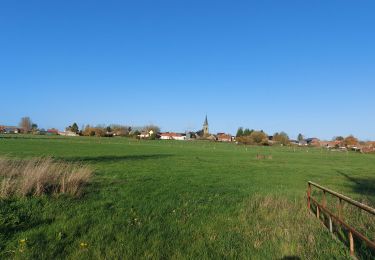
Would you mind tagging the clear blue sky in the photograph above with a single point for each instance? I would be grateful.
(296, 66)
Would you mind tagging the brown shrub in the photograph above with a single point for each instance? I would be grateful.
(40, 176)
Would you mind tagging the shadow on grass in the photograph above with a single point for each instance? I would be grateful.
(114, 158)
(363, 186)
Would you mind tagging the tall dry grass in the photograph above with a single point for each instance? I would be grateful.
(38, 176)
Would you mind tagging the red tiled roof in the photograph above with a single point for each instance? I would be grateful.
(224, 137)
(170, 134)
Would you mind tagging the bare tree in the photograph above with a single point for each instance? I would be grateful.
(26, 124)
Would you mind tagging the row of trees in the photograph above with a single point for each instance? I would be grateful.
(27, 126)
(107, 131)
(347, 141)
(247, 136)
(250, 136)
(113, 130)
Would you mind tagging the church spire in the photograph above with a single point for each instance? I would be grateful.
(205, 128)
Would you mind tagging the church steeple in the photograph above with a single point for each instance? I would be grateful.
(205, 121)
(205, 127)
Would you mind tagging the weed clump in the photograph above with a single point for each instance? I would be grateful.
(39, 176)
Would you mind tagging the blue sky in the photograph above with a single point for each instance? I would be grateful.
(294, 66)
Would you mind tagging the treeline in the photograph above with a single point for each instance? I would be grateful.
(247, 136)
(107, 131)
(27, 126)
(114, 130)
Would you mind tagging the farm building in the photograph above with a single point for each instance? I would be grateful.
(222, 137)
(9, 130)
(313, 141)
(52, 131)
(68, 133)
(172, 136)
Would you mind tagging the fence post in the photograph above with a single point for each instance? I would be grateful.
(351, 240)
(330, 224)
(308, 196)
(324, 204)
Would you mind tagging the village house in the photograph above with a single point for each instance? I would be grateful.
(223, 137)
(146, 134)
(68, 133)
(294, 142)
(9, 130)
(332, 144)
(52, 131)
(313, 141)
(172, 136)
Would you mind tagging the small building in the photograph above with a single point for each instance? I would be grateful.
(172, 136)
(9, 130)
(313, 141)
(294, 142)
(222, 137)
(68, 133)
(52, 131)
(144, 135)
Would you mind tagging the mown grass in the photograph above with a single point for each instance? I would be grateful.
(161, 199)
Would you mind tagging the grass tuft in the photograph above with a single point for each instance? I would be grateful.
(39, 176)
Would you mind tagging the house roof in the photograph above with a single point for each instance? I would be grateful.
(171, 134)
(224, 136)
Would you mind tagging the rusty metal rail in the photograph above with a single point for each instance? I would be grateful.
(339, 219)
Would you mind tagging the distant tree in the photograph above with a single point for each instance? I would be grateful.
(34, 128)
(338, 138)
(255, 137)
(109, 129)
(153, 136)
(247, 132)
(300, 137)
(281, 138)
(88, 131)
(26, 124)
(239, 132)
(74, 128)
(259, 137)
(120, 130)
(152, 128)
(350, 141)
(100, 131)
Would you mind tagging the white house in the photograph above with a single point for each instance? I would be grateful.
(172, 136)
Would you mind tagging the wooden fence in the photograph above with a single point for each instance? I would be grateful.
(332, 218)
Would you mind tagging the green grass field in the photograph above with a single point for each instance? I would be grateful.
(196, 200)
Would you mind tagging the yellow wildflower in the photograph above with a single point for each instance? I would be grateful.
(83, 245)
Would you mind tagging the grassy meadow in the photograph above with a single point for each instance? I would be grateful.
(176, 200)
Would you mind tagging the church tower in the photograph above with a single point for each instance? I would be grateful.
(205, 127)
